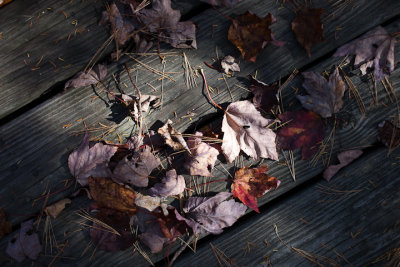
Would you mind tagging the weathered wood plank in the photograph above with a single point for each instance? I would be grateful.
(42, 34)
(361, 226)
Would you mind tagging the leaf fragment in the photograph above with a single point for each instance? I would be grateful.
(172, 137)
(93, 76)
(146, 102)
(172, 184)
(389, 134)
(56, 208)
(228, 64)
(265, 96)
(345, 158)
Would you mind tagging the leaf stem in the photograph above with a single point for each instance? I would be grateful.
(208, 91)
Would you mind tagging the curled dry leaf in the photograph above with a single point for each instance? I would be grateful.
(265, 96)
(56, 208)
(5, 226)
(228, 64)
(93, 76)
(374, 49)
(147, 202)
(250, 184)
(85, 162)
(135, 170)
(25, 244)
(325, 97)
(146, 102)
(109, 194)
(172, 184)
(115, 235)
(303, 129)
(225, 3)
(245, 129)
(203, 157)
(345, 158)
(211, 214)
(172, 137)
(389, 134)
(308, 27)
(250, 34)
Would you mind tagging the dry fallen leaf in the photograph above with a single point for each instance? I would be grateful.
(147, 202)
(225, 3)
(325, 97)
(303, 129)
(250, 34)
(265, 96)
(109, 194)
(172, 137)
(146, 102)
(228, 64)
(389, 134)
(93, 76)
(5, 226)
(56, 208)
(172, 184)
(308, 27)
(374, 49)
(345, 158)
(245, 129)
(250, 184)
(85, 162)
(201, 161)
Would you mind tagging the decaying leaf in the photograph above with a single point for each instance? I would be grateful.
(147, 202)
(201, 161)
(303, 129)
(211, 214)
(135, 169)
(325, 97)
(250, 184)
(225, 3)
(116, 235)
(245, 129)
(56, 208)
(5, 226)
(374, 49)
(172, 184)
(146, 102)
(172, 137)
(265, 96)
(93, 76)
(308, 27)
(345, 158)
(389, 134)
(25, 244)
(158, 229)
(109, 194)
(85, 162)
(228, 64)
(250, 34)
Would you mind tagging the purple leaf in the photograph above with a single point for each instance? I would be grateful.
(345, 158)
(265, 96)
(85, 162)
(172, 184)
(93, 76)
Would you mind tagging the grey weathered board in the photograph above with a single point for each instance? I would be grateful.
(38, 134)
(40, 29)
(359, 220)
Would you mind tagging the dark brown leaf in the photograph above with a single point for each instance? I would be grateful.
(5, 226)
(265, 96)
(389, 134)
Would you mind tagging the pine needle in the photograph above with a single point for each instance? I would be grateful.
(189, 72)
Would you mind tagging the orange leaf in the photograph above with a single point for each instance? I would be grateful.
(250, 184)
(111, 195)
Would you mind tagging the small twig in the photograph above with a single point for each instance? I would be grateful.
(178, 252)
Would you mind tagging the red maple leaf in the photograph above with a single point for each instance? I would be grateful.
(250, 184)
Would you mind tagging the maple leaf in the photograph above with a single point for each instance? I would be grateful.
(136, 169)
(172, 137)
(228, 64)
(308, 27)
(265, 96)
(303, 129)
(374, 49)
(389, 134)
(146, 102)
(56, 208)
(211, 214)
(109, 194)
(203, 157)
(25, 244)
(158, 228)
(250, 184)
(245, 129)
(5, 226)
(82, 78)
(172, 184)
(250, 34)
(225, 3)
(85, 161)
(119, 237)
(325, 97)
(164, 21)
(345, 158)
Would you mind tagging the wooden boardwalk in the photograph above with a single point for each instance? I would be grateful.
(354, 220)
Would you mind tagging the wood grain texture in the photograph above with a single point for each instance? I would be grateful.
(361, 226)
